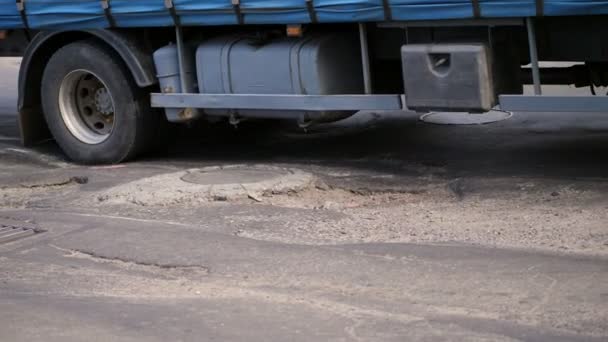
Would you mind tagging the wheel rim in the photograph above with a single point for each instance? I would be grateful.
(86, 106)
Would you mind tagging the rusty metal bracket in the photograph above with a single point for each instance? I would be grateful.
(310, 6)
(476, 8)
(540, 8)
(236, 5)
(388, 14)
(21, 8)
(107, 11)
(173, 12)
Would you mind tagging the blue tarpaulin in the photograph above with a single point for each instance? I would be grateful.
(70, 14)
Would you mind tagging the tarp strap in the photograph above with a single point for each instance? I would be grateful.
(540, 8)
(310, 5)
(21, 8)
(388, 14)
(236, 5)
(476, 8)
(171, 8)
(107, 11)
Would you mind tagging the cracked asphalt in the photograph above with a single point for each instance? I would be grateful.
(402, 231)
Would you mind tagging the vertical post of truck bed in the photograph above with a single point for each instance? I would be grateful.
(533, 56)
(367, 77)
(170, 6)
(180, 59)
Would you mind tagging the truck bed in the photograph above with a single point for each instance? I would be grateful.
(72, 14)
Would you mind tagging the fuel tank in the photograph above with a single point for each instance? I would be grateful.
(312, 65)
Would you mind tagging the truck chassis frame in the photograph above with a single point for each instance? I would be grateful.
(371, 102)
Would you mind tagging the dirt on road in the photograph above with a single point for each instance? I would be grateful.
(334, 206)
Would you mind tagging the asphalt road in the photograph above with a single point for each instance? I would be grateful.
(410, 232)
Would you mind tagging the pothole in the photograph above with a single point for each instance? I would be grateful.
(237, 175)
(216, 183)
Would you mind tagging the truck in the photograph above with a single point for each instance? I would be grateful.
(102, 77)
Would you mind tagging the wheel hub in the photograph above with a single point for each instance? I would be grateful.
(103, 101)
(87, 107)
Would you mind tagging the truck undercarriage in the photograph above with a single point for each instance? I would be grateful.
(307, 73)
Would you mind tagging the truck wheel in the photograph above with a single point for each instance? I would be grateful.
(94, 109)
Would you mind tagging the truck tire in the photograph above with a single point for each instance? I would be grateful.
(93, 108)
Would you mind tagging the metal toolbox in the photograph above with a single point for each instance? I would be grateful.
(448, 77)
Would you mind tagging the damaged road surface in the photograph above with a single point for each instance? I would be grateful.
(189, 251)
(402, 232)
(112, 278)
